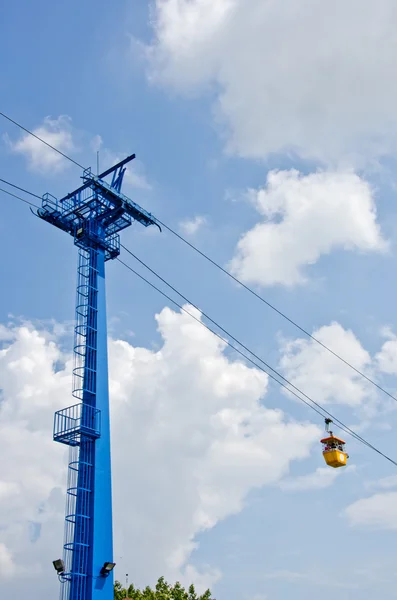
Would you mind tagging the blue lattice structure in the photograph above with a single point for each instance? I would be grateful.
(93, 215)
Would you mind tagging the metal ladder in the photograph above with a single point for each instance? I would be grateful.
(79, 426)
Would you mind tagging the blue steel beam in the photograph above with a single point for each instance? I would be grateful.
(93, 215)
(102, 505)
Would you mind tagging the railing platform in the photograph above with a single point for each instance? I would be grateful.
(76, 422)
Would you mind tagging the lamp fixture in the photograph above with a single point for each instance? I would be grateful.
(107, 568)
(59, 566)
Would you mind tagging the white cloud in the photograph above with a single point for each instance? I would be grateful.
(202, 580)
(387, 357)
(136, 178)
(321, 375)
(190, 440)
(311, 78)
(322, 477)
(34, 469)
(199, 412)
(191, 226)
(57, 133)
(7, 566)
(378, 511)
(305, 217)
(60, 134)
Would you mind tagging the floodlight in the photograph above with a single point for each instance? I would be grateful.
(59, 566)
(107, 568)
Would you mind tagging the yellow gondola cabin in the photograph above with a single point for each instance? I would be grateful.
(333, 449)
(333, 452)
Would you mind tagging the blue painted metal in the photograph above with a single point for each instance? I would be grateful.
(102, 505)
(93, 214)
(75, 423)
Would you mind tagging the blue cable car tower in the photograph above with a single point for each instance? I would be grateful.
(93, 215)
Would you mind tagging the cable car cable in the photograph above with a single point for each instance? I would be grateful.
(21, 189)
(18, 198)
(342, 426)
(279, 312)
(226, 272)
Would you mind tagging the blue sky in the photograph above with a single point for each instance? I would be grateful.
(213, 98)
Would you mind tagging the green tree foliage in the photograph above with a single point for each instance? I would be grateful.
(162, 591)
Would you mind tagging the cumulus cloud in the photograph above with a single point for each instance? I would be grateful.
(287, 77)
(387, 356)
(7, 566)
(200, 413)
(191, 438)
(321, 375)
(305, 217)
(60, 134)
(378, 511)
(191, 226)
(135, 177)
(34, 470)
(41, 158)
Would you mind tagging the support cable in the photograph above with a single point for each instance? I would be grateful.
(20, 189)
(18, 197)
(279, 312)
(311, 404)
